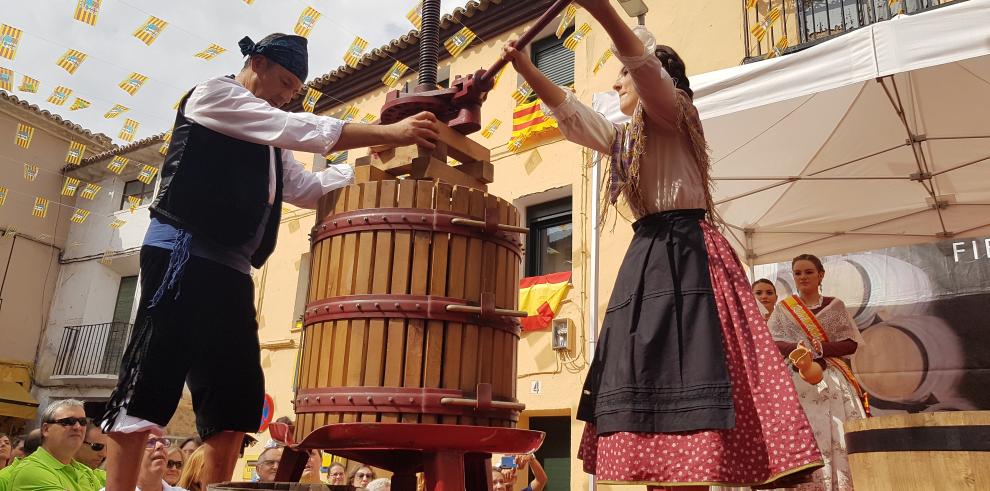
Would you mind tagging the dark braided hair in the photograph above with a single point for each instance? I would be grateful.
(674, 65)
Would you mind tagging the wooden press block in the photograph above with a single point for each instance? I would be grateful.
(437, 169)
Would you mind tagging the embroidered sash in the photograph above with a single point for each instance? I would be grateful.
(813, 330)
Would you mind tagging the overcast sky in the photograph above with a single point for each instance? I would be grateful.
(49, 30)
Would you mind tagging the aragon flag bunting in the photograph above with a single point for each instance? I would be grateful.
(540, 297)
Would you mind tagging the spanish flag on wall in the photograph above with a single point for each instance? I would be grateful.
(541, 296)
(528, 120)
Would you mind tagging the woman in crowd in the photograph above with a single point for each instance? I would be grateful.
(362, 476)
(192, 471)
(823, 325)
(765, 293)
(6, 447)
(686, 386)
(189, 445)
(173, 470)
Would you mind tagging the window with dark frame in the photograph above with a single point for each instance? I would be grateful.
(553, 59)
(136, 188)
(548, 247)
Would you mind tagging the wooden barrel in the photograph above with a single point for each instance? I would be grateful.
(910, 359)
(922, 452)
(408, 319)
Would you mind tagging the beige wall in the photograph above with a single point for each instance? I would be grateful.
(707, 33)
(30, 246)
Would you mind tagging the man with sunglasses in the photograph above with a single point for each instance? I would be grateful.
(53, 466)
(93, 451)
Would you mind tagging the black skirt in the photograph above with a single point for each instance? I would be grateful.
(660, 365)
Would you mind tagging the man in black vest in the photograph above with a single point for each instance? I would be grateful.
(228, 169)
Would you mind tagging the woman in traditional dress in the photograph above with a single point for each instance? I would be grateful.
(686, 387)
(766, 294)
(823, 325)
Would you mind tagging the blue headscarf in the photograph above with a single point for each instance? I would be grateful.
(286, 50)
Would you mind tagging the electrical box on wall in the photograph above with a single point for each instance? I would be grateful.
(563, 334)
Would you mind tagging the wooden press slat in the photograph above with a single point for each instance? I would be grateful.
(415, 335)
(439, 264)
(348, 269)
(457, 259)
(500, 368)
(395, 345)
(486, 340)
(375, 365)
(472, 293)
(358, 331)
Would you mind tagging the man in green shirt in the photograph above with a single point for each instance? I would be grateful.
(53, 467)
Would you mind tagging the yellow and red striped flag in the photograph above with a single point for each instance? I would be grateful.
(76, 152)
(29, 84)
(459, 41)
(147, 174)
(24, 135)
(528, 120)
(166, 139)
(309, 102)
(71, 60)
(540, 297)
(750, 3)
(490, 129)
(415, 15)
(369, 118)
(601, 61)
(69, 186)
(394, 74)
(150, 30)
(522, 93)
(129, 130)
(31, 172)
(6, 79)
(116, 224)
(115, 111)
(566, 20)
(90, 190)
(79, 215)
(87, 11)
(307, 21)
(779, 47)
(760, 29)
(107, 258)
(9, 39)
(132, 83)
(59, 95)
(134, 202)
(249, 2)
(572, 41)
(79, 103)
(354, 53)
(3, 196)
(40, 208)
(118, 164)
(211, 52)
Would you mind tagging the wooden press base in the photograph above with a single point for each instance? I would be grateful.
(452, 457)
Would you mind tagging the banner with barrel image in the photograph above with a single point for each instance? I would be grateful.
(922, 310)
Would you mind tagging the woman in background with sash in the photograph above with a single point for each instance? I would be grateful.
(823, 325)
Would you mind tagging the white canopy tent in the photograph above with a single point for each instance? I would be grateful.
(877, 138)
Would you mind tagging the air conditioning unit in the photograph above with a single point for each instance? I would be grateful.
(563, 338)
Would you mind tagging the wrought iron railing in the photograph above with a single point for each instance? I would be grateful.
(777, 27)
(94, 349)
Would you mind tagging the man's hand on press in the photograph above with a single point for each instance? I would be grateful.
(421, 129)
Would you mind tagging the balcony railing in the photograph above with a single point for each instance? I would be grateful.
(92, 350)
(777, 27)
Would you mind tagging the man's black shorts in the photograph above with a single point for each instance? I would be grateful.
(207, 338)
